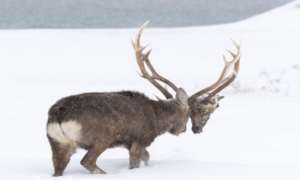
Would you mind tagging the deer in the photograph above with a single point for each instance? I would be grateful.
(98, 121)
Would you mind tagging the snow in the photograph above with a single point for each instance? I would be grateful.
(255, 133)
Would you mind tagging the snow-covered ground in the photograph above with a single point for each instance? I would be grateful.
(255, 133)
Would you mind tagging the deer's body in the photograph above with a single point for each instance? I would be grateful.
(97, 121)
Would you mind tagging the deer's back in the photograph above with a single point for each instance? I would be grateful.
(125, 115)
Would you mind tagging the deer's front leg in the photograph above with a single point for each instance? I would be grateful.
(135, 155)
(145, 156)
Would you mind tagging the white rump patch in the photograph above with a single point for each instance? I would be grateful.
(65, 133)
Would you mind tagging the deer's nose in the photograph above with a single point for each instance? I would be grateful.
(197, 130)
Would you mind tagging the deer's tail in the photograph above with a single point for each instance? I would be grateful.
(65, 133)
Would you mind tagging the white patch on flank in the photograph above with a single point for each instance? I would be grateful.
(65, 133)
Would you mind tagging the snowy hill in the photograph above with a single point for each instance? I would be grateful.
(254, 134)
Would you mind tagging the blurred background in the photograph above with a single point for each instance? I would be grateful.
(20, 14)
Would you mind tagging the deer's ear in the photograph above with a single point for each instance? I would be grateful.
(220, 97)
(182, 96)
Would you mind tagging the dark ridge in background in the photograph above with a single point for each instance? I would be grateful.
(27, 14)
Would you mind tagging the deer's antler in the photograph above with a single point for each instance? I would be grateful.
(224, 80)
(144, 58)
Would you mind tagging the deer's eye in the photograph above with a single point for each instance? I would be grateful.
(199, 110)
(205, 113)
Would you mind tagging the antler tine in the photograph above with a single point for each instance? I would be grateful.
(229, 81)
(232, 54)
(222, 82)
(158, 98)
(140, 74)
(233, 75)
(236, 44)
(156, 76)
(144, 58)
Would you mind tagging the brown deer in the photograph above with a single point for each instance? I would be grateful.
(98, 121)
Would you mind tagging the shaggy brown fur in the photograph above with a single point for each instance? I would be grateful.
(97, 121)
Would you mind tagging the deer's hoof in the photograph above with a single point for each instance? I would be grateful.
(98, 171)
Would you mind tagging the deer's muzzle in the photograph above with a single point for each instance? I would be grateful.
(197, 130)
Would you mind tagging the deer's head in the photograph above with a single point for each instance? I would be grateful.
(201, 104)
(200, 111)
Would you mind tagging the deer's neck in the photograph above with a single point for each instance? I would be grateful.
(167, 115)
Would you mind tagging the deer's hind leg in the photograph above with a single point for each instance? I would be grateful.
(61, 154)
(90, 159)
